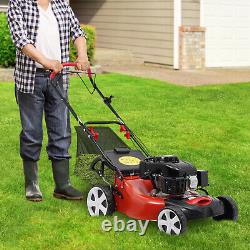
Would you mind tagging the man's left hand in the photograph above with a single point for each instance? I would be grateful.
(82, 63)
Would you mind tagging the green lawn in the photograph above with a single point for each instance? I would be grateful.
(208, 126)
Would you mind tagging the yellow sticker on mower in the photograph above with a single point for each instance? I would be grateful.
(129, 160)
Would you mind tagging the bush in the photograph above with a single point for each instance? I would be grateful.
(91, 38)
(7, 48)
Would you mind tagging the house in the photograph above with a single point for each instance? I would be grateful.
(3, 5)
(183, 34)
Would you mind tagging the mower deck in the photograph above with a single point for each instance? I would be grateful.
(136, 200)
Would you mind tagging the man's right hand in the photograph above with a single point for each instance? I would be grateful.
(30, 51)
(53, 65)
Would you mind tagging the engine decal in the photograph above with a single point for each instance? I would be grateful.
(129, 160)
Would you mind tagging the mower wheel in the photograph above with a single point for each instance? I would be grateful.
(230, 209)
(100, 201)
(172, 221)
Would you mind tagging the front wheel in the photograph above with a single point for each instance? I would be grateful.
(230, 209)
(100, 201)
(172, 221)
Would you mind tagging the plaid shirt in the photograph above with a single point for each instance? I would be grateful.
(23, 19)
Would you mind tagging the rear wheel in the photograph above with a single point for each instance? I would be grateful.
(230, 209)
(172, 221)
(100, 201)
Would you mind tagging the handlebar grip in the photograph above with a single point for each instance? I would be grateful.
(69, 64)
(66, 64)
(52, 75)
(89, 72)
(72, 64)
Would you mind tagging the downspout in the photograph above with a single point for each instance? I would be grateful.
(177, 24)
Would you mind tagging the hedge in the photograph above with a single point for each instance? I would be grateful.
(8, 50)
(91, 39)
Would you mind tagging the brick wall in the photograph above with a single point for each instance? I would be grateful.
(192, 47)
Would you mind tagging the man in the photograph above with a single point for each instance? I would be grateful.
(41, 31)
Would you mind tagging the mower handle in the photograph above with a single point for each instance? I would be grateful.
(71, 64)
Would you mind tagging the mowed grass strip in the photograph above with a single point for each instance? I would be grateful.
(208, 126)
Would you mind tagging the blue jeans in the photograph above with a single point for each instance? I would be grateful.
(32, 106)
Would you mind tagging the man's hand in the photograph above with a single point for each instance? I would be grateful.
(30, 51)
(82, 63)
(53, 65)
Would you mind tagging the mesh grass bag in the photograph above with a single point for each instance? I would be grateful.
(83, 171)
(87, 152)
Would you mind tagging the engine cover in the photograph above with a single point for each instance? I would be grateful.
(167, 166)
(170, 175)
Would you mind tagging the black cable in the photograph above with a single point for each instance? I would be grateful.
(141, 144)
(91, 92)
(135, 145)
(86, 86)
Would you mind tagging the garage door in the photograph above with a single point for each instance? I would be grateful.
(227, 25)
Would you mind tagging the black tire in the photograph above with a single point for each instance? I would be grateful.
(106, 207)
(230, 209)
(172, 221)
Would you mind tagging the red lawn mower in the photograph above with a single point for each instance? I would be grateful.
(158, 188)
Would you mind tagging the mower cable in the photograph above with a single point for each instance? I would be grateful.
(79, 75)
(103, 178)
(91, 92)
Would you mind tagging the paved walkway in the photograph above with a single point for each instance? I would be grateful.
(185, 78)
(6, 75)
(123, 62)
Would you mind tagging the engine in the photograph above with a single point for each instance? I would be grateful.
(171, 175)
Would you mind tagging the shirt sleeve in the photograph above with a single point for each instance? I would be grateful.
(16, 25)
(76, 30)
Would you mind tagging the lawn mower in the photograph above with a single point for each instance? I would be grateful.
(159, 188)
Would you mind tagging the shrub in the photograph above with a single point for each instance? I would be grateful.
(91, 38)
(7, 48)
